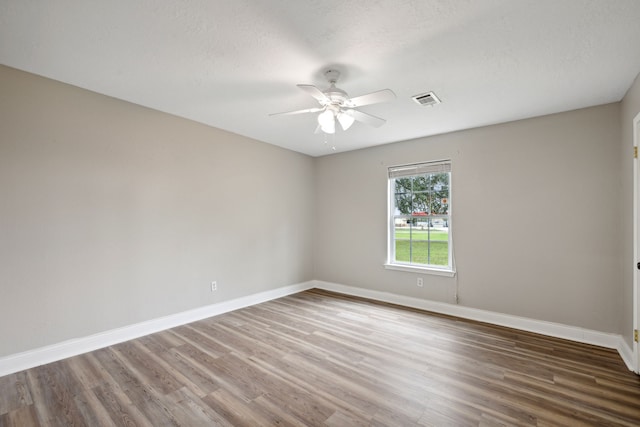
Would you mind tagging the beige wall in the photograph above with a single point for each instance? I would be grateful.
(535, 209)
(112, 214)
(630, 107)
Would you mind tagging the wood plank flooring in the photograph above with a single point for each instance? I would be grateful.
(322, 359)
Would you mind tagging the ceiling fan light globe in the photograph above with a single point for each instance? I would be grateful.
(325, 118)
(345, 120)
(327, 121)
(329, 128)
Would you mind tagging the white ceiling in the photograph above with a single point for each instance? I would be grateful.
(229, 63)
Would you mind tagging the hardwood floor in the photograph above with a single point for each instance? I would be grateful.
(322, 359)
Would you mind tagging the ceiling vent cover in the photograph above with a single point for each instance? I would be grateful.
(428, 98)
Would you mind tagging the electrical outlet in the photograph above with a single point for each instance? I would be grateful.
(214, 286)
(420, 283)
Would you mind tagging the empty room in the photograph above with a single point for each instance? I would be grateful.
(319, 213)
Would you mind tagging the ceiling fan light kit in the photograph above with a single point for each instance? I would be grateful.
(327, 121)
(335, 105)
(345, 119)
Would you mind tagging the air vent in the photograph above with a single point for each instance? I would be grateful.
(428, 98)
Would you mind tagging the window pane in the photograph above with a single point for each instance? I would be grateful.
(439, 197)
(420, 252)
(420, 183)
(438, 205)
(403, 251)
(402, 229)
(439, 253)
(439, 242)
(420, 204)
(402, 237)
(439, 228)
(403, 185)
(420, 228)
(403, 203)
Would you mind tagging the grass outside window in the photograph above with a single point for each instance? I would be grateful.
(420, 247)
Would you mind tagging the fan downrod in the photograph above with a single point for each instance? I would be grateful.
(336, 96)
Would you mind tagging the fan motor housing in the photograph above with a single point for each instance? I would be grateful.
(336, 95)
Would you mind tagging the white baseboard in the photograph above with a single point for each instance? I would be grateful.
(52, 353)
(627, 354)
(557, 330)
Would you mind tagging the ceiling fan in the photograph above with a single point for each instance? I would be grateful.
(335, 105)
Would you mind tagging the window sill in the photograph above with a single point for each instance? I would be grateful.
(421, 270)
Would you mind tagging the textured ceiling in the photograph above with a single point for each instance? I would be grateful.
(230, 63)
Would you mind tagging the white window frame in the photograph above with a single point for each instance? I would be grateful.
(412, 170)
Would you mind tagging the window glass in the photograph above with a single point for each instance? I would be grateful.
(420, 215)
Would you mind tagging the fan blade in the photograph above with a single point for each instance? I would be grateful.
(384, 95)
(366, 118)
(308, 110)
(316, 93)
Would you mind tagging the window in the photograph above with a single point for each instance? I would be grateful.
(420, 217)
